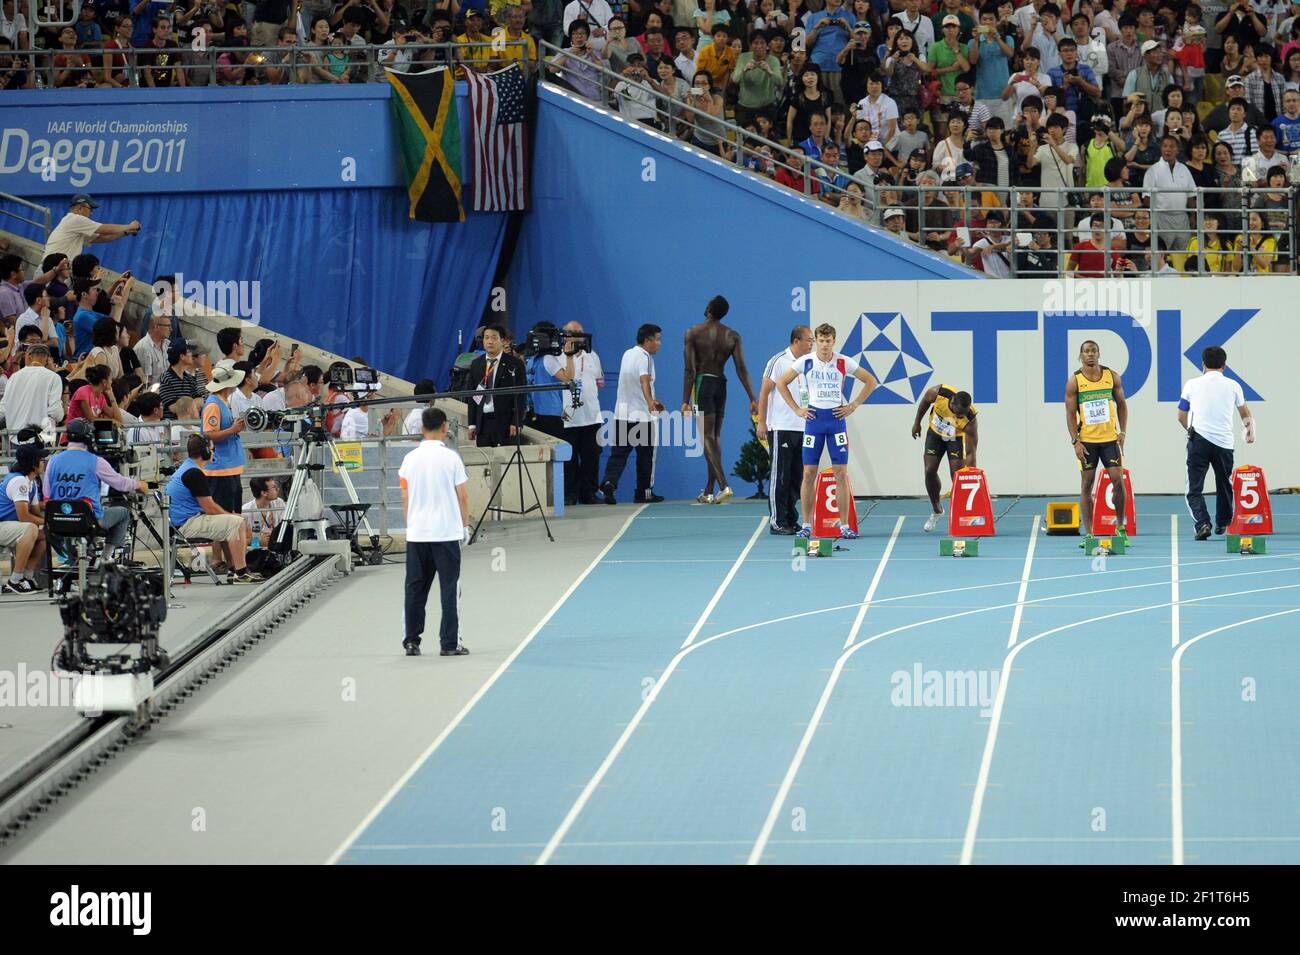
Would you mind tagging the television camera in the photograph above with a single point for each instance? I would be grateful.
(546, 339)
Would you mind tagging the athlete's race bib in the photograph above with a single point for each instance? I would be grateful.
(809, 440)
(946, 429)
(841, 439)
(1096, 411)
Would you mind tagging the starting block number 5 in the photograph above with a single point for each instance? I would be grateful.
(1249, 496)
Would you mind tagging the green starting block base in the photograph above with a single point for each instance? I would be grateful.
(814, 548)
(1241, 544)
(1094, 546)
(950, 547)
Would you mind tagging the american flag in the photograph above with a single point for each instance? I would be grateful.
(498, 142)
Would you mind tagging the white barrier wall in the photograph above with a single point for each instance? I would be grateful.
(1013, 345)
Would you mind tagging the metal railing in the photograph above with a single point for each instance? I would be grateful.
(267, 65)
(45, 222)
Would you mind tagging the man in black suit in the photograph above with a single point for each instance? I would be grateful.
(493, 419)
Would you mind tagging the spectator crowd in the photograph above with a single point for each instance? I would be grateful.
(1113, 136)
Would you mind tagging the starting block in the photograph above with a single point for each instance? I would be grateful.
(814, 548)
(1063, 517)
(1238, 544)
(1093, 546)
(1252, 513)
(950, 547)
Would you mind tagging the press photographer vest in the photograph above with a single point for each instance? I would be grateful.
(183, 505)
(71, 476)
(544, 402)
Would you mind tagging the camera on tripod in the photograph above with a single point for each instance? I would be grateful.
(357, 381)
(546, 339)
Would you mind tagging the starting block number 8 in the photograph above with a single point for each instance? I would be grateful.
(828, 490)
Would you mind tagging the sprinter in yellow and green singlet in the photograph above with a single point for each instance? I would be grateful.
(1096, 416)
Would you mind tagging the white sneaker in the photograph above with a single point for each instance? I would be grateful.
(722, 495)
(704, 498)
(932, 522)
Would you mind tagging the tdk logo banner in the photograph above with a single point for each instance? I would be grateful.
(890, 348)
(1013, 344)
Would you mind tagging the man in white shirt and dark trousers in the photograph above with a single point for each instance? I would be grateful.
(634, 424)
(784, 435)
(435, 500)
(581, 424)
(1205, 411)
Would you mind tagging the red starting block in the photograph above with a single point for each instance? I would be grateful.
(970, 513)
(1251, 512)
(826, 511)
(1103, 505)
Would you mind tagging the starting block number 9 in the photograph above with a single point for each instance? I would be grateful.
(1249, 496)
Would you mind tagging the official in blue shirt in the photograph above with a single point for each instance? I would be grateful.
(192, 510)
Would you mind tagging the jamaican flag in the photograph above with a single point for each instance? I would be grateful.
(428, 130)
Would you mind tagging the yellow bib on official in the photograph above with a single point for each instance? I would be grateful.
(1098, 423)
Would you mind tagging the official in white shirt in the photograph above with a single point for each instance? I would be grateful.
(634, 423)
(581, 424)
(435, 500)
(783, 431)
(1205, 410)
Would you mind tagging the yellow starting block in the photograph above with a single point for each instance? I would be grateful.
(814, 548)
(1246, 545)
(1095, 546)
(1063, 517)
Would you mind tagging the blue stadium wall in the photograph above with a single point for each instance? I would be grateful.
(628, 227)
(298, 187)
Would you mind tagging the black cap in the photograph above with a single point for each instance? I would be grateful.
(26, 455)
(176, 349)
(917, 154)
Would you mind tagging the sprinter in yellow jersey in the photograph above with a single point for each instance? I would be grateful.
(953, 433)
(1096, 415)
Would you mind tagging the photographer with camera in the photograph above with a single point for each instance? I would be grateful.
(77, 473)
(22, 519)
(195, 513)
(581, 424)
(546, 369)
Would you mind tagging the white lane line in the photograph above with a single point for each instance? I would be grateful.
(764, 836)
(1024, 584)
(592, 784)
(990, 741)
(722, 587)
(482, 691)
(875, 582)
(1173, 577)
(1176, 723)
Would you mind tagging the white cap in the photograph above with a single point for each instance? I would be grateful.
(1150, 45)
(890, 213)
(874, 145)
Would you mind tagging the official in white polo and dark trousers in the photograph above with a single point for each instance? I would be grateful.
(783, 431)
(435, 500)
(1205, 410)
